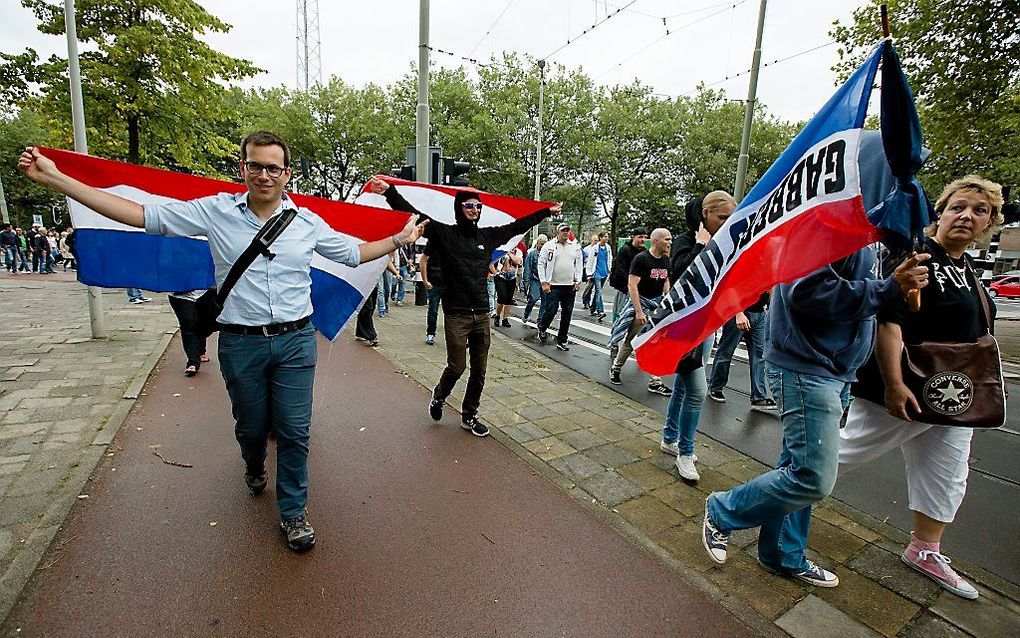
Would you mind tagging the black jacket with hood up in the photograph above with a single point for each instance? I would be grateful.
(464, 250)
(685, 247)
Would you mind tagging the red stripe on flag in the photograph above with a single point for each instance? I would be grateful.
(813, 239)
(364, 222)
(513, 206)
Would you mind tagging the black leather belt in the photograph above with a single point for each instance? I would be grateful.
(269, 330)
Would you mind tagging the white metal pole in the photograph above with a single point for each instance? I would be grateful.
(422, 160)
(95, 294)
(752, 90)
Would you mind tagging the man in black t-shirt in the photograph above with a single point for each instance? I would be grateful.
(647, 282)
(621, 268)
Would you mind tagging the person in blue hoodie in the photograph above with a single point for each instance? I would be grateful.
(821, 330)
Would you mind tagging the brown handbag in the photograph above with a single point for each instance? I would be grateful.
(958, 383)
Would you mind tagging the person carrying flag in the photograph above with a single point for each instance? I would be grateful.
(267, 349)
(465, 253)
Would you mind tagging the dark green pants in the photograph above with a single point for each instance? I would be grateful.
(464, 333)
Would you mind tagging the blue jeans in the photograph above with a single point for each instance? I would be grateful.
(755, 340)
(490, 286)
(535, 295)
(434, 296)
(400, 284)
(269, 380)
(385, 285)
(780, 500)
(684, 409)
(596, 295)
(10, 254)
(133, 293)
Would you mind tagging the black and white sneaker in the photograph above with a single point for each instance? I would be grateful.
(764, 405)
(543, 336)
(817, 576)
(614, 376)
(562, 346)
(658, 387)
(300, 535)
(718, 396)
(256, 481)
(436, 410)
(475, 426)
(713, 540)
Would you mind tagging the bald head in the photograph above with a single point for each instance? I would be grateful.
(661, 241)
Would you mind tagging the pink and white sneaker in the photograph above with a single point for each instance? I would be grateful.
(925, 558)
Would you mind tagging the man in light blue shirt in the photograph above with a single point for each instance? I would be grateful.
(267, 348)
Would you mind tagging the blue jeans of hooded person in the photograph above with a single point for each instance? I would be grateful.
(10, 255)
(684, 409)
(535, 295)
(400, 284)
(383, 298)
(755, 340)
(269, 380)
(433, 296)
(133, 293)
(780, 500)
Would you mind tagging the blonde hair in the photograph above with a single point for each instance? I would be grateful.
(989, 189)
(716, 199)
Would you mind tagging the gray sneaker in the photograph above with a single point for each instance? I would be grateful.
(300, 535)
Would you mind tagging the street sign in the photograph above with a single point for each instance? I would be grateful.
(37, 220)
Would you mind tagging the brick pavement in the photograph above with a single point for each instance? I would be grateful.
(602, 448)
(62, 398)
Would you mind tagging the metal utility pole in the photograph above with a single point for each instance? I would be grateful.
(309, 47)
(81, 145)
(421, 139)
(538, 140)
(3, 204)
(752, 91)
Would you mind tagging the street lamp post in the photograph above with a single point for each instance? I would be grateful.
(95, 293)
(752, 90)
(538, 140)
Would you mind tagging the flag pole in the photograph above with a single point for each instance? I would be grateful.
(95, 293)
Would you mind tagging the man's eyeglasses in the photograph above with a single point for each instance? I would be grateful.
(472, 205)
(272, 169)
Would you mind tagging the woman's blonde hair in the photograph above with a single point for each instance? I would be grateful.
(714, 200)
(991, 191)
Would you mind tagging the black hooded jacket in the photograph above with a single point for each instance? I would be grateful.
(464, 250)
(685, 248)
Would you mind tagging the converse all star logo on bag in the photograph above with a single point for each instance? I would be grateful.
(949, 393)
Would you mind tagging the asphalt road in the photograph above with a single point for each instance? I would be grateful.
(423, 530)
(985, 530)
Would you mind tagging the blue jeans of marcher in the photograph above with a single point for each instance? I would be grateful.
(535, 295)
(780, 500)
(133, 293)
(400, 284)
(386, 282)
(269, 380)
(755, 341)
(434, 296)
(596, 295)
(684, 409)
(10, 255)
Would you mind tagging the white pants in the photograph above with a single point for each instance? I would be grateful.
(936, 456)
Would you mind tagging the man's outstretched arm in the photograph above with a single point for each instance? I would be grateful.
(43, 171)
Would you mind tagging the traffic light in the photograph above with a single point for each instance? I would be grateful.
(453, 171)
(403, 172)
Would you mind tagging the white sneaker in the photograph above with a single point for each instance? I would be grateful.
(670, 448)
(685, 465)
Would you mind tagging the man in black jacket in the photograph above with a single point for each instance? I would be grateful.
(465, 252)
(9, 246)
(621, 268)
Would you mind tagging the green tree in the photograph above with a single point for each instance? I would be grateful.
(24, 197)
(961, 59)
(153, 89)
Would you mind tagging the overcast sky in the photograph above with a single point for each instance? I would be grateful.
(376, 41)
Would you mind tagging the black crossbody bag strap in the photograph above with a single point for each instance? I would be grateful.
(258, 246)
(986, 311)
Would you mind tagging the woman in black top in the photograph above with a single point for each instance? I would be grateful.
(951, 312)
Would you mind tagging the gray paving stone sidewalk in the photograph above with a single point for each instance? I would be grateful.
(602, 448)
(62, 397)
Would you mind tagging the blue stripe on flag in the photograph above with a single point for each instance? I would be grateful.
(122, 259)
(334, 301)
